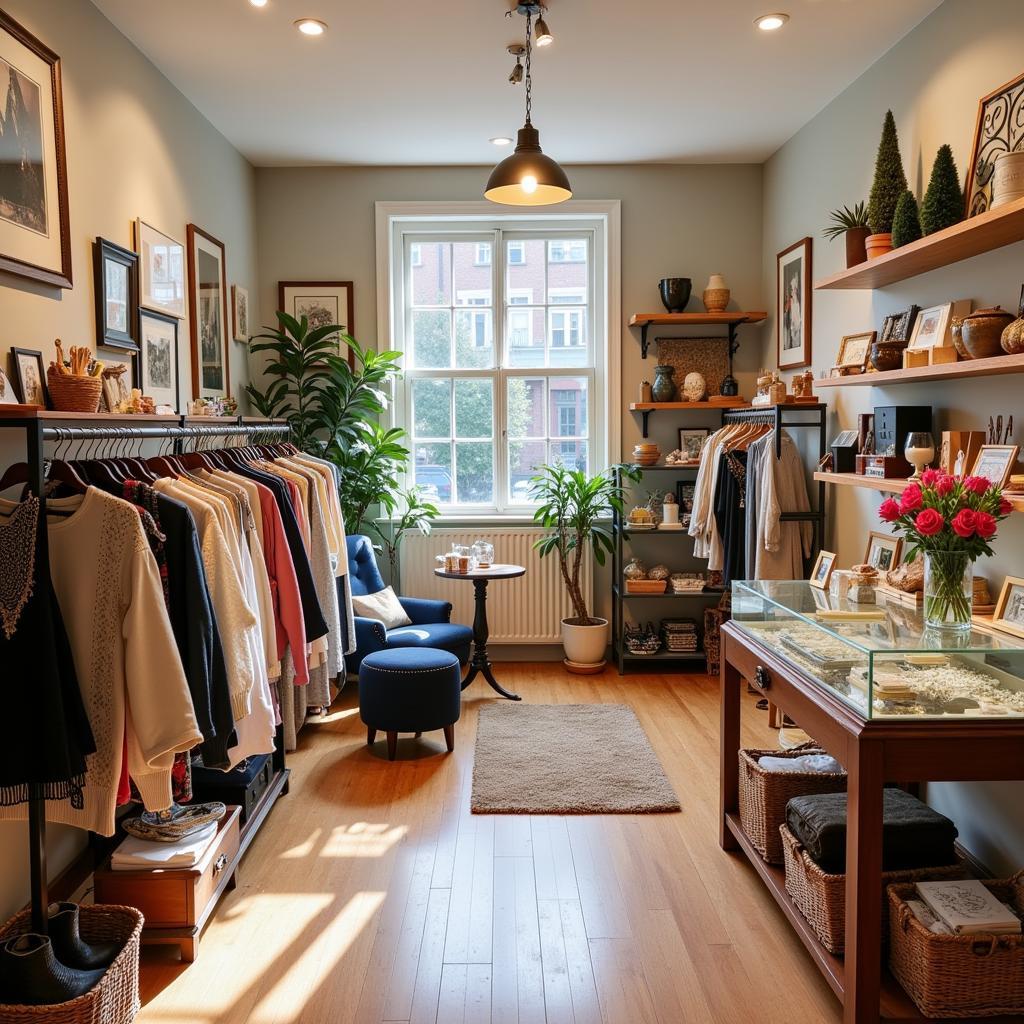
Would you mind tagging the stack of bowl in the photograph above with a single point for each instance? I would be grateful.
(646, 454)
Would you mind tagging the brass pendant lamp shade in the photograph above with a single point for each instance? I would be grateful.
(528, 177)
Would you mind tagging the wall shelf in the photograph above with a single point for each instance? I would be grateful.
(893, 485)
(994, 367)
(727, 319)
(983, 233)
(646, 408)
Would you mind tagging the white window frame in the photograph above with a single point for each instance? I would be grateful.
(483, 255)
(599, 222)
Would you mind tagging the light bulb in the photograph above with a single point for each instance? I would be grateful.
(258, 3)
(529, 183)
(542, 34)
(311, 27)
(771, 22)
(501, 140)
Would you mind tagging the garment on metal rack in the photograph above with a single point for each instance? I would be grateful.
(781, 487)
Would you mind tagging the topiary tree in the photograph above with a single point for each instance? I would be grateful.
(890, 181)
(943, 204)
(906, 223)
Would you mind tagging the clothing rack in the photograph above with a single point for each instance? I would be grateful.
(38, 430)
(779, 416)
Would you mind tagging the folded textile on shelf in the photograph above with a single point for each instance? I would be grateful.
(823, 763)
(144, 854)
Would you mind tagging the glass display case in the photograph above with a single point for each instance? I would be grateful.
(888, 665)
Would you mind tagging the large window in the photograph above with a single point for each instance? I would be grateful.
(504, 335)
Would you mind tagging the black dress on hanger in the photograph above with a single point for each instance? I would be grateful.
(730, 514)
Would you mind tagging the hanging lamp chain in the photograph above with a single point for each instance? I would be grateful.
(529, 77)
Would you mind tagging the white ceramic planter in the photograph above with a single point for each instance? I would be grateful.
(585, 645)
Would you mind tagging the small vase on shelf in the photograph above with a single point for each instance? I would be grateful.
(716, 294)
(675, 293)
(948, 590)
(664, 388)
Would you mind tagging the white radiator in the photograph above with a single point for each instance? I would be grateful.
(527, 610)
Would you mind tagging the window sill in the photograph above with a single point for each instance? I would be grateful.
(476, 519)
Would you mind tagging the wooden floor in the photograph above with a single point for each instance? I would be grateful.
(373, 894)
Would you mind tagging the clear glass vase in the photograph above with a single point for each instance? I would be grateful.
(948, 590)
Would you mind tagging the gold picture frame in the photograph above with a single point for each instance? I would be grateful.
(995, 458)
(855, 349)
(1012, 603)
(883, 543)
(822, 571)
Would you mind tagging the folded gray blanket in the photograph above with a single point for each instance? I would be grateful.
(913, 835)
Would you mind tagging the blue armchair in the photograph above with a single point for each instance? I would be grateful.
(431, 620)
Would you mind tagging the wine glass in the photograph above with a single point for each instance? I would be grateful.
(919, 451)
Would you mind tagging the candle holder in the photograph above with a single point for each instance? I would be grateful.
(919, 452)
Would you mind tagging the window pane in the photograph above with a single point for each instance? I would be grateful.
(567, 336)
(474, 338)
(525, 332)
(432, 276)
(431, 408)
(524, 268)
(567, 410)
(431, 338)
(474, 409)
(474, 472)
(524, 459)
(472, 278)
(432, 470)
(524, 407)
(570, 454)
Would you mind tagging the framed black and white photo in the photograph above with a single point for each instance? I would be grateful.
(793, 305)
(208, 314)
(691, 440)
(117, 295)
(161, 270)
(1009, 613)
(240, 313)
(322, 303)
(35, 236)
(30, 375)
(883, 551)
(158, 359)
(822, 571)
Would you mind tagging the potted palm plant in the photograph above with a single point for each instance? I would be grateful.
(575, 509)
(853, 224)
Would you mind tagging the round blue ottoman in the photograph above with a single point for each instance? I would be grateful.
(410, 689)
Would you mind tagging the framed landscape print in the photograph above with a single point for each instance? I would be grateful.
(322, 302)
(117, 295)
(158, 358)
(208, 314)
(161, 270)
(793, 305)
(999, 129)
(35, 236)
(240, 313)
(28, 370)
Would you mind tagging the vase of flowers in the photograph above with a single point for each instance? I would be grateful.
(951, 521)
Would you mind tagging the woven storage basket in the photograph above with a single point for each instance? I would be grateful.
(958, 975)
(764, 795)
(821, 897)
(115, 999)
(71, 393)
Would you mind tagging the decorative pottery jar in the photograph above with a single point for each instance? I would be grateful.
(1012, 339)
(887, 355)
(634, 570)
(646, 395)
(658, 572)
(982, 332)
(956, 329)
(664, 388)
(694, 387)
(716, 295)
(675, 293)
(856, 250)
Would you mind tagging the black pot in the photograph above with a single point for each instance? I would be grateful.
(675, 293)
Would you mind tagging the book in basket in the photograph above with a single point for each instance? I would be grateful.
(968, 908)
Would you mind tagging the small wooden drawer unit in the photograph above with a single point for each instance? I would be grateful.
(177, 902)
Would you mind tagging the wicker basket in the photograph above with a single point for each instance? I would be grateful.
(71, 393)
(115, 999)
(821, 897)
(958, 975)
(764, 795)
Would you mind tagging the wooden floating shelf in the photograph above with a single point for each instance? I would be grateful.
(983, 233)
(731, 403)
(695, 319)
(35, 412)
(994, 367)
(893, 485)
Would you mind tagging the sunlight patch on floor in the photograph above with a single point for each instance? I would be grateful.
(304, 849)
(335, 716)
(363, 839)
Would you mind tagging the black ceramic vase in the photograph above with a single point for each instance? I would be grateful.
(675, 293)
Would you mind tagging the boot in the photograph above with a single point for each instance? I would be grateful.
(30, 975)
(68, 945)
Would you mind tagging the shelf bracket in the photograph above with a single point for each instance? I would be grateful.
(734, 345)
(643, 353)
(646, 414)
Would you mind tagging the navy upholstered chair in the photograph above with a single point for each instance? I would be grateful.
(431, 620)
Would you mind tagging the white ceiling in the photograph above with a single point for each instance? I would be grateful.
(403, 82)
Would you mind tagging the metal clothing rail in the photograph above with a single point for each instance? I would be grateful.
(37, 433)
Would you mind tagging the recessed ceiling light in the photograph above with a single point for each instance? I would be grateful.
(258, 3)
(311, 27)
(501, 140)
(771, 22)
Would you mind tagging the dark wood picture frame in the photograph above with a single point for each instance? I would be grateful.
(16, 375)
(282, 286)
(105, 252)
(977, 192)
(193, 231)
(807, 245)
(141, 361)
(60, 277)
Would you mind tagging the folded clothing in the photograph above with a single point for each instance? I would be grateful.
(144, 854)
(913, 835)
(821, 763)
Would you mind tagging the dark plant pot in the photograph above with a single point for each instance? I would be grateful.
(675, 293)
(856, 252)
(885, 356)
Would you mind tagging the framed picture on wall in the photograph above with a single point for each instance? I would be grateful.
(997, 130)
(208, 314)
(35, 236)
(240, 313)
(793, 305)
(322, 303)
(30, 375)
(161, 270)
(158, 358)
(117, 295)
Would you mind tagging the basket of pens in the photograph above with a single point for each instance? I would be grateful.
(75, 384)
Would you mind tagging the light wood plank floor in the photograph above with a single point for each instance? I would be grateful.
(373, 894)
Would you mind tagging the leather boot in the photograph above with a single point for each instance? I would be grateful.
(68, 945)
(30, 975)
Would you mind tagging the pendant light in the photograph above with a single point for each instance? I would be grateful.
(528, 177)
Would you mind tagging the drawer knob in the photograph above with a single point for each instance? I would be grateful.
(762, 678)
(220, 864)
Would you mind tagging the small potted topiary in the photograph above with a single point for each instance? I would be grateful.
(906, 223)
(943, 204)
(890, 183)
(854, 225)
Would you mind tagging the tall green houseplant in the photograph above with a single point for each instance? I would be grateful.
(890, 182)
(906, 224)
(943, 204)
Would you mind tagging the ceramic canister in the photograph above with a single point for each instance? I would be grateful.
(1008, 179)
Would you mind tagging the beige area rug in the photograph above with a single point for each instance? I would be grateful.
(566, 759)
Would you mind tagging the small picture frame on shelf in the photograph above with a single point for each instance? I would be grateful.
(883, 551)
(1009, 613)
(995, 462)
(821, 574)
(691, 440)
(30, 376)
(931, 329)
(8, 396)
(854, 350)
(899, 326)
